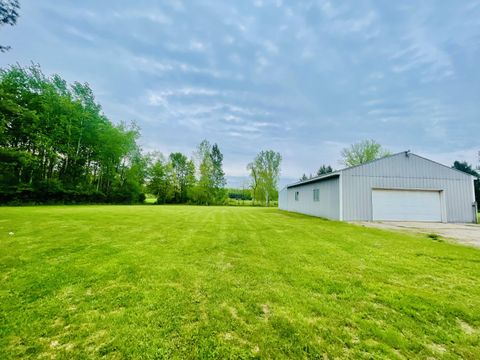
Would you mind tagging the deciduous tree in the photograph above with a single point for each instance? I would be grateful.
(8, 16)
(57, 145)
(265, 172)
(211, 181)
(182, 176)
(362, 152)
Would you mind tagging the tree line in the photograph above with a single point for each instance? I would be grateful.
(56, 145)
(178, 179)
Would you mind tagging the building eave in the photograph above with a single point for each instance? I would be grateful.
(315, 179)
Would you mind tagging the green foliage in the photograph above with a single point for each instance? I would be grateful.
(182, 177)
(211, 182)
(8, 16)
(434, 237)
(9, 12)
(264, 175)
(174, 181)
(239, 194)
(159, 180)
(324, 169)
(184, 282)
(54, 139)
(362, 152)
(467, 168)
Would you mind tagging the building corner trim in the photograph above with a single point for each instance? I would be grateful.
(340, 195)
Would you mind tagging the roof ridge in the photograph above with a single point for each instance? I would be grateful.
(319, 177)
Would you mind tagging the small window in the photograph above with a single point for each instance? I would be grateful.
(297, 194)
(316, 194)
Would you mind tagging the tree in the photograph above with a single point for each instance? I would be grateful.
(304, 177)
(159, 183)
(324, 169)
(8, 16)
(467, 168)
(211, 182)
(362, 152)
(182, 176)
(255, 180)
(218, 176)
(265, 172)
(57, 145)
(204, 188)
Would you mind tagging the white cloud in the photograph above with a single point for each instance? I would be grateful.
(160, 98)
(157, 67)
(261, 63)
(153, 15)
(80, 34)
(289, 76)
(422, 55)
(363, 25)
(177, 5)
(422, 50)
(270, 47)
(331, 11)
(470, 155)
(196, 45)
(229, 39)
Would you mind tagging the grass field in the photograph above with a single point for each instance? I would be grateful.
(227, 282)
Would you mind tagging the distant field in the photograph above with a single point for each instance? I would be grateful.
(228, 282)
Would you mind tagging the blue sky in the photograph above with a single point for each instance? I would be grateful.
(305, 78)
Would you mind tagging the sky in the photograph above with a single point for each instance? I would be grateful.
(305, 78)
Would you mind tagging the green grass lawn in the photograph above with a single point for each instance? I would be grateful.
(228, 282)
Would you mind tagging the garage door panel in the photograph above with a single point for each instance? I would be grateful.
(406, 205)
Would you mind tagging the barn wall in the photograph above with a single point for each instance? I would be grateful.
(412, 172)
(327, 206)
(282, 199)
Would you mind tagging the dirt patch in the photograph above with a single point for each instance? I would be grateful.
(468, 234)
(265, 310)
(466, 328)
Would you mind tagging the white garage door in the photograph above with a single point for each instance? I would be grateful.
(406, 205)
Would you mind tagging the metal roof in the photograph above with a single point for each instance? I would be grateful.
(316, 178)
(338, 172)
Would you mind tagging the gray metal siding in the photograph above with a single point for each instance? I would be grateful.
(402, 166)
(402, 172)
(282, 199)
(328, 205)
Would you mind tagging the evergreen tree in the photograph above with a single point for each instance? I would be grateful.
(324, 169)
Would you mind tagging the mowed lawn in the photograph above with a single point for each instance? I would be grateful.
(228, 282)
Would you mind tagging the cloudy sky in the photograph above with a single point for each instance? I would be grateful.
(305, 78)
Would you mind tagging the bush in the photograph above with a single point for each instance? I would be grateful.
(49, 193)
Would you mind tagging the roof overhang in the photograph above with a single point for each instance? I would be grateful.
(315, 179)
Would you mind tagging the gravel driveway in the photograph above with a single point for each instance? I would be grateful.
(468, 234)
